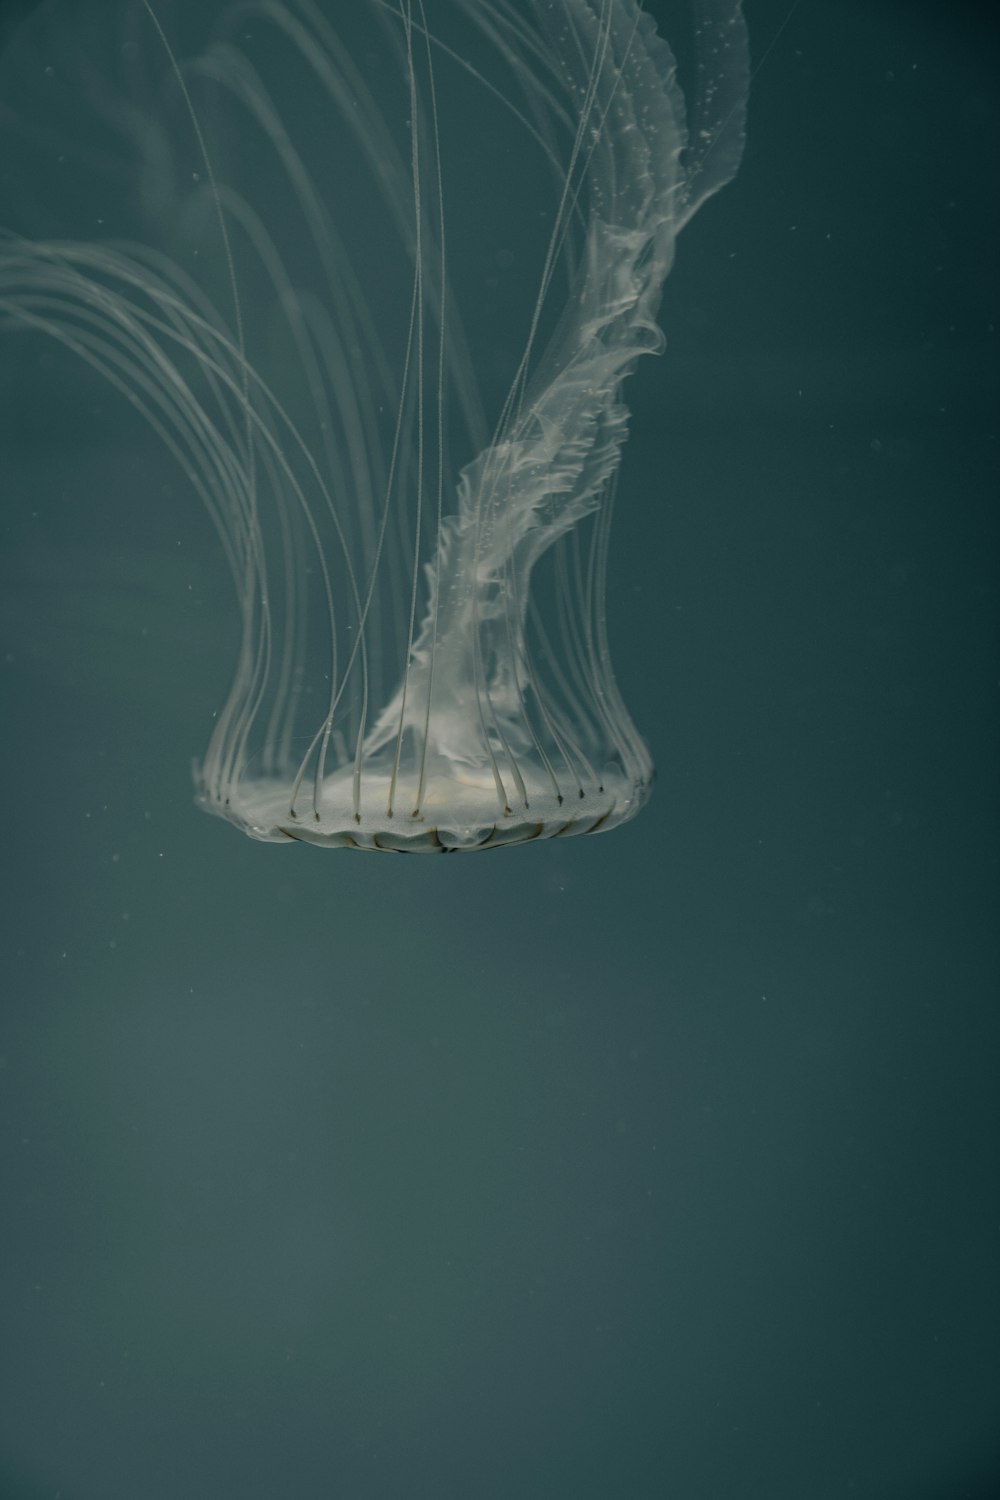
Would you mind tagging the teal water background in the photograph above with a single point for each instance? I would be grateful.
(655, 1165)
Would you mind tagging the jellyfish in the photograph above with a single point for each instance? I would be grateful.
(374, 277)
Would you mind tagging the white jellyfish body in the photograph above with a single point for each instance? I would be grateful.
(377, 290)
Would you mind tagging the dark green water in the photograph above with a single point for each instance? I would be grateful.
(655, 1165)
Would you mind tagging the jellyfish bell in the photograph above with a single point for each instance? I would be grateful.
(376, 289)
